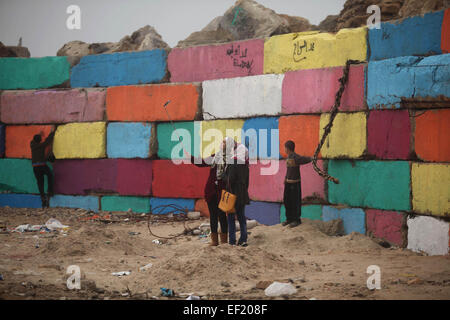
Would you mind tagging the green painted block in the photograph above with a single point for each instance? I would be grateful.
(189, 133)
(33, 73)
(119, 203)
(312, 212)
(370, 184)
(16, 175)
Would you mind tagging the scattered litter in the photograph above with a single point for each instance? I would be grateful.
(167, 292)
(37, 241)
(126, 219)
(126, 294)
(156, 241)
(312, 299)
(146, 267)
(196, 232)
(54, 224)
(132, 233)
(121, 273)
(1, 277)
(277, 289)
(191, 297)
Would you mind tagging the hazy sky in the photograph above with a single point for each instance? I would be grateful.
(42, 23)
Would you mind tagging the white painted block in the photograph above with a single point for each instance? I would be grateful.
(429, 235)
(242, 97)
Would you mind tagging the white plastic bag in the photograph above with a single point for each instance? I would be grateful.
(54, 224)
(277, 289)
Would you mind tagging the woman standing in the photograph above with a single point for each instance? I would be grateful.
(237, 182)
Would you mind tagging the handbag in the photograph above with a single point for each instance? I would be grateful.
(227, 202)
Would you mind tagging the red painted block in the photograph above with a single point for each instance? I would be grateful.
(237, 59)
(386, 225)
(445, 34)
(389, 133)
(52, 106)
(271, 187)
(178, 181)
(314, 91)
(202, 207)
(432, 135)
(81, 177)
(134, 177)
(18, 139)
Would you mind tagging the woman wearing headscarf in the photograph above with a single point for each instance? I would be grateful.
(214, 186)
(237, 182)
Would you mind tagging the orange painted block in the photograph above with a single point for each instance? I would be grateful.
(445, 33)
(146, 103)
(303, 130)
(432, 136)
(18, 139)
(202, 207)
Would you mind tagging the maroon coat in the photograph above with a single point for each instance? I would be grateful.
(213, 191)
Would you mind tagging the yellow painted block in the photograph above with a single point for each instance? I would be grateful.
(431, 188)
(297, 51)
(213, 133)
(80, 140)
(347, 137)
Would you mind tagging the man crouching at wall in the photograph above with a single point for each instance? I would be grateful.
(293, 186)
(40, 168)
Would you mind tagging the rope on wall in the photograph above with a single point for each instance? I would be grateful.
(343, 81)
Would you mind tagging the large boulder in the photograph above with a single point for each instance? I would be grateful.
(146, 38)
(416, 7)
(13, 51)
(246, 19)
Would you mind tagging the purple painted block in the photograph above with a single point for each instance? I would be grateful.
(52, 106)
(134, 177)
(264, 212)
(81, 177)
(389, 133)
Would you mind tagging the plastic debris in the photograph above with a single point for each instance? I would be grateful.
(121, 273)
(54, 224)
(146, 267)
(156, 241)
(191, 297)
(167, 292)
(132, 233)
(1, 277)
(277, 289)
(194, 215)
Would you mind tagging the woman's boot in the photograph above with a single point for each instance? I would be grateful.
(223, 238)
(214, 239)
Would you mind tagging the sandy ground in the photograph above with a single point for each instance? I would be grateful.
(319, 266)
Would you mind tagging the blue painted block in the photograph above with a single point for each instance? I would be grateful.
(128, 140)
(354, 220)
(188, 204)
(389, 81)
(419, 35)
(262, 138)
(2, 140)
(120, 69)
(264, 212)
(20, 200)
(62, 201)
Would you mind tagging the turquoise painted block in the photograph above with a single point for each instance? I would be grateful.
(261, 137)
(311, 212)
(168, 144)
(128, 140)
(354, 220)
(155, 204)
(63, 201)
(20, 200)
(419, 35)
(388, 81)
(370, 184)
(119, 203)
(16, 175)
(120, 69)
(33, 73)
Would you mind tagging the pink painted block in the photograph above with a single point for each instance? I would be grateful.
(237, 59)
(134, 177)
(387, 225)
(271, 187)
(314, 91)
(389, 133)
(52, 106)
